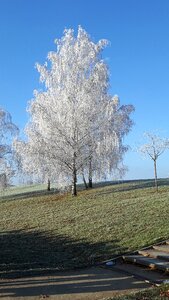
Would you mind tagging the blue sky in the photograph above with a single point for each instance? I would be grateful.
(138, 58)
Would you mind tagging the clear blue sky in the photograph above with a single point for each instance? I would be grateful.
(138, 58)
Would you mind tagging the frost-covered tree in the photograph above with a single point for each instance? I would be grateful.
(68, 123)
(32, 162)
(107, 154)
(154, 148)
(7, 131)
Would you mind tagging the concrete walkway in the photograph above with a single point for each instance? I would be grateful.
(89, 284)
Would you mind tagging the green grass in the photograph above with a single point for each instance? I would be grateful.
(158, 293)
(57, 231)
(27, 190)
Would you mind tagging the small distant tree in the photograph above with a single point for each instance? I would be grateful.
(154, 148)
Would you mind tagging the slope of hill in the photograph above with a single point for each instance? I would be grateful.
(52, 231)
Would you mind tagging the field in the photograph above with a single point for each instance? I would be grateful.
(42, 231)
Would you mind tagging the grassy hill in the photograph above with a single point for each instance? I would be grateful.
(42, 231)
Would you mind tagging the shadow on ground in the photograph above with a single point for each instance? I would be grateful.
(90, 284)
(28, 194)
(24, 253)
(132, 185)
(117, 186)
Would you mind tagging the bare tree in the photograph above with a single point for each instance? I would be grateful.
(154, 148)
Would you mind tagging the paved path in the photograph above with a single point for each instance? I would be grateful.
(87, 284)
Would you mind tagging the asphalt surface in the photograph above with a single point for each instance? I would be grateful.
(89, 284)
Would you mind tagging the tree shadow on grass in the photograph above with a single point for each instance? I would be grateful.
(26, 195)
(117, 186)
(27, 256)
(132, 185)
(24, 253)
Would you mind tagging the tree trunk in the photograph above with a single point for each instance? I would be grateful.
(90, 172)
(90, 182)
(48, 188)
(155, 174)
(74, 188)
(74, 177)
(85, 183)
